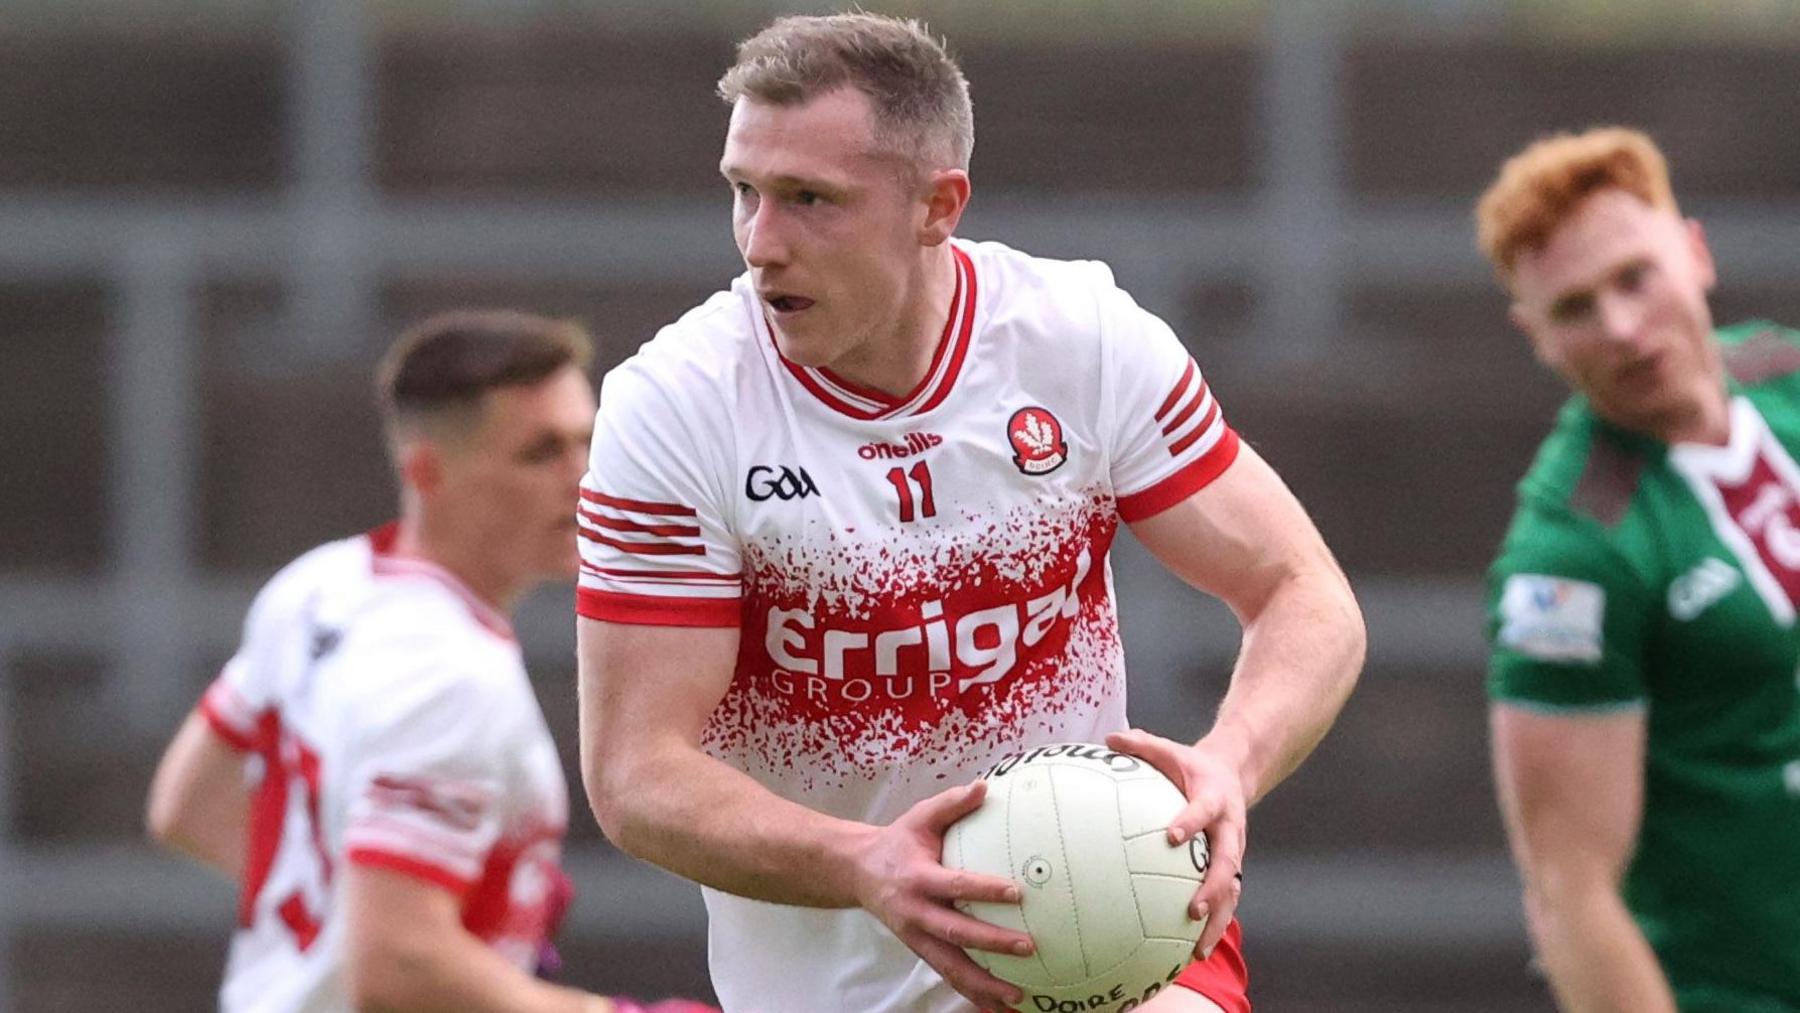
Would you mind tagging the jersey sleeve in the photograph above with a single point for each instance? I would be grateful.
(239, 703)
(656, 544)
(427, 782)
(1169, 438)
(1568, 617)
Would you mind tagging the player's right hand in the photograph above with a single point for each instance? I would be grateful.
(901, 880)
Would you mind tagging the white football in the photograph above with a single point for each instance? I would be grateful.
(1083, 830)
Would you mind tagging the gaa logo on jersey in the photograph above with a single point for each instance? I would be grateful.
(1037, 441)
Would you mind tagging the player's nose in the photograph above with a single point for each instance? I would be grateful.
(761, 237)
(1621, 318)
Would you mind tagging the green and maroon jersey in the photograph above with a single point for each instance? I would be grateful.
(1644, 575)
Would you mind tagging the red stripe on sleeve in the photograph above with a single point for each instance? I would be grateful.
(646, 548)
(1187, 441)
(223, 728)
(1186, 413)
(418, 868)
(638, 505)
(683, 575)
(614, 524)
(1175, 395)
(655, 610)
(1190, 479)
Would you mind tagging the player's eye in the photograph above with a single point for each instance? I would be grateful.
(807, 198)
(541, 452)
(1572, 309)
(1632, 278)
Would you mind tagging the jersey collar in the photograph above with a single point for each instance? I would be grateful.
(383, 562)
(869, 405)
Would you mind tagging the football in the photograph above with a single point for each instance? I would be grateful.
(1083, 830)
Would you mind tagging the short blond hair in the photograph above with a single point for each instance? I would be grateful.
(919, 94)
(1540, 187)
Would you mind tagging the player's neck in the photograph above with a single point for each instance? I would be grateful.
(897, 361)
(1708, 421)
(460, 557)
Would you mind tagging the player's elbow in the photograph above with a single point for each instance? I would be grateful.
(163, 820)
(619, 788)
(388, 976)
(610, 797)
(1340, 621)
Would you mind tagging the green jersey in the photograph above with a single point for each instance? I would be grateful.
(1638, 574)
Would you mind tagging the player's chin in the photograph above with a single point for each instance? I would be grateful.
(802, 349)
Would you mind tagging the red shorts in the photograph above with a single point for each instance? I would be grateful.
(1222, 977)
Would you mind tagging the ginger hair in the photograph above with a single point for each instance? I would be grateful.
(1542, 186)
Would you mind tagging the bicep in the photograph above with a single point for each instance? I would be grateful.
(1571, 789)
(639, 682)
(391, 918)
(1238, 538)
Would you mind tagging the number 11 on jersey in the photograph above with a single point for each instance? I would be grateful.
(903, 480)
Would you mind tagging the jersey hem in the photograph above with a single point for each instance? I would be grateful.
(407, 865)
(1190, 479)
(653, 610)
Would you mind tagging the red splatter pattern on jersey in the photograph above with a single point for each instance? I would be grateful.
(885, 649)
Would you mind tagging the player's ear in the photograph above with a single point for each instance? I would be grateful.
(946, 197)
(1702, 253)
(421, 465)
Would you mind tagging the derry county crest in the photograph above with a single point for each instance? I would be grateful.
(1037, 441)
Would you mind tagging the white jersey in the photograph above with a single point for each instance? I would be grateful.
(395, 728)
(921, 583)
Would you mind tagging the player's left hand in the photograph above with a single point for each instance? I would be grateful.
(1216, 807)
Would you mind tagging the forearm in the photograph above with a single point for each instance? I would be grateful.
(456, 972)
(198, 804)
(708, 822)
(1300, 657)
(218, 846)
(1596, 957)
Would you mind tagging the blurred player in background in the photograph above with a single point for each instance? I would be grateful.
(846, 531)
(1646, 719)
(401, 849)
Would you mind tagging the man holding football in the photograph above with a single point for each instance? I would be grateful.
(845, 537)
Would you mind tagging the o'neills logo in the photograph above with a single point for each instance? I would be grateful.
(1037, 441)
(916, 443)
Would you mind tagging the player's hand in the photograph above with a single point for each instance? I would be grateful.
(1216, 807)
(902, 881)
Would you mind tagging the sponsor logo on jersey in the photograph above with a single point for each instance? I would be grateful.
(940, 655)
(1696, 590)
(325, 639)
(911, 443)
(1552, 618)
(763, 482)
(1037, 441)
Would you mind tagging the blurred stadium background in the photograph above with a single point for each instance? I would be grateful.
(214, 213)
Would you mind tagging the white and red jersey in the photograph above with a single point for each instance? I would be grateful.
(394, 727)
(921, 582)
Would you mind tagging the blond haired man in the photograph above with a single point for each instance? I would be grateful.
(846, 532)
